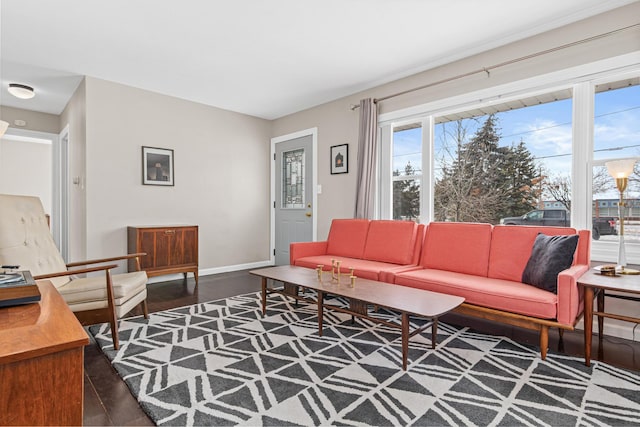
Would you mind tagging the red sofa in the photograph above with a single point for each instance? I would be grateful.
(484, 264)
(480, 262)
(376, 249)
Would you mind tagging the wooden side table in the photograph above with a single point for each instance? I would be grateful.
(41, 362)
(596, 284)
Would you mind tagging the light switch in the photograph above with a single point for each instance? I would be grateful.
(319, 189)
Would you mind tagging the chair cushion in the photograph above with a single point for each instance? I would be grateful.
(391, 241)
(88, 289)
(550, 255)
(347, 237)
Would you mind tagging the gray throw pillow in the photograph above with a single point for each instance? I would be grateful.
(550, 256)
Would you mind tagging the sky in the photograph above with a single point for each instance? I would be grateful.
(546, 131)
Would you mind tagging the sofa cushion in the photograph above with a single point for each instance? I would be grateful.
(515, 297)
(372, 270)
(550, 255)
(391, 241)
(511, 248)
(347, 237)
(459, 247)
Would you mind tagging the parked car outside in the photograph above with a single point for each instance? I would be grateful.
(601, 226)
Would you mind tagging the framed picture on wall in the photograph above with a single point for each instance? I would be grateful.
(340, 159)
(157, 166)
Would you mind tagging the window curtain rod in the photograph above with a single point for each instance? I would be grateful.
(502, 64)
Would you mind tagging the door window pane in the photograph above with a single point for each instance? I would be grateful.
(293, 196)
(407, 171)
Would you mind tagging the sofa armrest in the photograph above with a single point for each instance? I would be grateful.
(569, 298)
(305, 249)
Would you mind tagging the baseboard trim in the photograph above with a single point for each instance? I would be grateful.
(613, 328)
(215, 270)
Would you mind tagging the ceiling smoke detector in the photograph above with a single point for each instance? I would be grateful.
(21, 91)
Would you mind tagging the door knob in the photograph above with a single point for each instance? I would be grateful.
(308, 214)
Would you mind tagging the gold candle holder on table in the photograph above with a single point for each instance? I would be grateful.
(319, 270)
(335, 271)
(353, 281)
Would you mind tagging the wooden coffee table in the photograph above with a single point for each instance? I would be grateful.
(404, 300)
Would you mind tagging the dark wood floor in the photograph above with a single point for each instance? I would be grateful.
(109, 402)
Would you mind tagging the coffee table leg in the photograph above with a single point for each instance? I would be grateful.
(434, 332)
(601, 296)
(405, 339)
(588, 323)
(264, 296)
(320, 311)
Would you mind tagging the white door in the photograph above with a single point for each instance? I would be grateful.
(294, 198)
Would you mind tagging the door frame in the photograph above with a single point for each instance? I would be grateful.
(313, 132)
(59, 179)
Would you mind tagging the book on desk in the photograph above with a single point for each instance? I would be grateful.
(18, 287)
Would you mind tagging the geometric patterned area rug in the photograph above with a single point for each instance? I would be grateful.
(223, 363)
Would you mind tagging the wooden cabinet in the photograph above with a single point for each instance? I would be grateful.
(169, 249)
(41, 362)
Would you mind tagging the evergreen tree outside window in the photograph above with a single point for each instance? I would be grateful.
(407, 172)
(502, 164)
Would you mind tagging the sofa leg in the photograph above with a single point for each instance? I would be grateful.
(544, 341)
(560, 340)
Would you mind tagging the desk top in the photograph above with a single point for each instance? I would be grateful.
(621, 283)
(37, 329)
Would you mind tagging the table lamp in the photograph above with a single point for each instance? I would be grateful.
(620, 171)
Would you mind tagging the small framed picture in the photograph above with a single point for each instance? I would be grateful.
(340, 159)
(157, 166)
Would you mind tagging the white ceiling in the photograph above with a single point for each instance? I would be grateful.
(265, 58)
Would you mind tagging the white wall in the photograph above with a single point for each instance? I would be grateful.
(74, 117)
(33, 120)
(221, 162)
(25, 169)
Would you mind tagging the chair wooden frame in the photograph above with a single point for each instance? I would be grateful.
(107, 314)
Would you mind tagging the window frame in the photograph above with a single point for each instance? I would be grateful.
(581, 80)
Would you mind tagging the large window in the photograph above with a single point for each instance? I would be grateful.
(488, 156)
(503, 164)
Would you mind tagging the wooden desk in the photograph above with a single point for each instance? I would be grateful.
(594, 284)
(41, 362)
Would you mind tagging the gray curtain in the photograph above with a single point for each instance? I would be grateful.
(367, 154)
